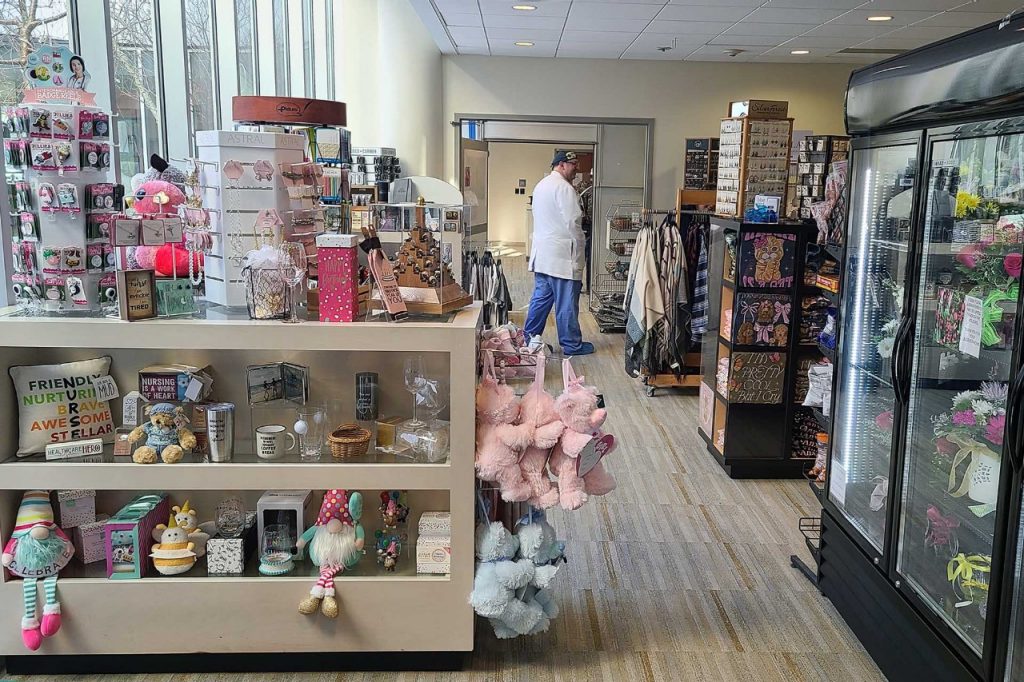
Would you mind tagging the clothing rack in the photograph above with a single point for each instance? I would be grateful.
(668, 274)
(484, 278)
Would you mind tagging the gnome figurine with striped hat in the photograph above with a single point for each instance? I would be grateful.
(335, 545)
(37, 549)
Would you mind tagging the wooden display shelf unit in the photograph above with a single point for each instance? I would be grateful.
(752, 166)
(243, 617)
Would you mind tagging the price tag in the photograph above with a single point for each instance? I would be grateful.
(593, 452)
(194, 390)
(837, 483)
(970, 330)
(105, 387)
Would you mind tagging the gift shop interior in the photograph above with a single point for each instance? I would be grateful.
(583, 339)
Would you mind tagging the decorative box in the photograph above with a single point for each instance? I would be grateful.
(338, 281)
(88, 539)
(435, 523)
(434, 554)
(170, 383)
(290, 507)
(227, 556)
(77, 507)
(128, 535)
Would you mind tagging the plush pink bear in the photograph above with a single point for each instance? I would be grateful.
(499, 441)
(578, 410)
(537, 412)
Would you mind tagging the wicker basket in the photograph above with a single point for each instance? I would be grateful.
(349, 440)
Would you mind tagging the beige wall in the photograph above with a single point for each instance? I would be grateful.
(391, 81)
(507, 162)
(686, 99)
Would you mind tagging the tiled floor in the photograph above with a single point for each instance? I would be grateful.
(680, 574)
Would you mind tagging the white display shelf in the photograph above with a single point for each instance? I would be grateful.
(250, 613)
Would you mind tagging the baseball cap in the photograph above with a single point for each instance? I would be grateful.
(568, 157)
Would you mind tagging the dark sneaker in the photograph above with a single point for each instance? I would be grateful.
(586, 348)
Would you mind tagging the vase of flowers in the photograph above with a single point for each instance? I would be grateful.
(971, 431)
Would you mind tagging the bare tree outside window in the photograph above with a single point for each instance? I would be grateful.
(201, 80)
(138, 104)
(24, 26)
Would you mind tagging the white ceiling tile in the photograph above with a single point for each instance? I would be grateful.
(545, 8)
(884, 6)
(544, 49)
(750, 28)
(963, 19)
(463, 20)
(658, 39)
(457, 6)
(469, 35)
(1002, 6)
(685, 27)
(603, 10)
(514, 34)
(649, 54)
(899, 17)
(888, 43)
(870, 29)
(720, 3)
(819, 4)
(747, 41)
(821, 42)
(507, 21)
(780, 15)
(929, 34)
(703, 13)
(609, 37)
(474, 50)
(583, 23)
(591, 50)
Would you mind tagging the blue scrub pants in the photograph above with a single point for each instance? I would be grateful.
(564, 295)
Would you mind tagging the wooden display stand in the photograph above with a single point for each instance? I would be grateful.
(288, 110)
(747, 420)
(162, 622)
(739, 184)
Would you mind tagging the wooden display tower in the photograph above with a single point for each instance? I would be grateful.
(425, 280)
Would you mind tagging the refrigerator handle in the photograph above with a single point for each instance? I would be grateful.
(1013, 422)
(896, 361)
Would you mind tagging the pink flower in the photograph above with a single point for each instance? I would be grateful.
(945, 446)
(1012, 264)
(994, 430)
(988, 240)
(884, 420)
(969, 257)
(964, 418)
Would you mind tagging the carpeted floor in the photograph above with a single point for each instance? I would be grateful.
(680, 574)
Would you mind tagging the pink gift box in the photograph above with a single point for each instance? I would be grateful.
(337, 277)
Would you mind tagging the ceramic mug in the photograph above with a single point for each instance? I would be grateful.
(270, 441)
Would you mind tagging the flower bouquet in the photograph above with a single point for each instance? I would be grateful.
(972, 431)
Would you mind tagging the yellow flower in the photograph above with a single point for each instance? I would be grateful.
(966, 202)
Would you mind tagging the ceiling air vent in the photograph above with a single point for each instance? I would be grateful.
(870, 50)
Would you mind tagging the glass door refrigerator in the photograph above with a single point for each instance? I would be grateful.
(922, 547)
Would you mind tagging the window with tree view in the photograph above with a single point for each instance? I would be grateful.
(25, 25)
(135, 78)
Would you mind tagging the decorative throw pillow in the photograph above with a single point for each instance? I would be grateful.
(57, 404)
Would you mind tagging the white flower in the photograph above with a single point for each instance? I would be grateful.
(982, 407)
(994, 391)
(890, 327)
(964, 398)
(885, 347)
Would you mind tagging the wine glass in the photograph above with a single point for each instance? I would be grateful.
(415, 381)
(293, 266)
(431, 440)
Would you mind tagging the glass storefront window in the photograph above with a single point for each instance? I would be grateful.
(245, 43)
(138, 104)
(23, 27)
(202, 84)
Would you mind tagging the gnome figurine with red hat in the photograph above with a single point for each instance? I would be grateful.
(37, 549)
(335, 545)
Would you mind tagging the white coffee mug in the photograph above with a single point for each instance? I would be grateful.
(270, 441)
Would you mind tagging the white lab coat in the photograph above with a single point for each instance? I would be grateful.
(559, 245)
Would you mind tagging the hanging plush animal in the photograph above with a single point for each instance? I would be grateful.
(335, 545)
(498, 575)
(499, 440)
(537, 412)
(38, 549)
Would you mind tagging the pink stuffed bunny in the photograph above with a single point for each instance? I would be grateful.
(537, 412)
(577, 407)
(499, 441)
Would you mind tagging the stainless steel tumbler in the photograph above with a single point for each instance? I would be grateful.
(220, 429)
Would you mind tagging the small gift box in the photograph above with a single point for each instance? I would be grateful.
(77, 507)
(88, 539)
(128, 536)
(435, 523)
(227, 556)
(434, 554)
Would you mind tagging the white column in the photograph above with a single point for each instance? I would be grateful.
(172, 65)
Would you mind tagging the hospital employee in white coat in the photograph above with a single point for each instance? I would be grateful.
(557, 256)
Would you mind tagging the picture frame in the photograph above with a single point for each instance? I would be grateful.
(136, 295)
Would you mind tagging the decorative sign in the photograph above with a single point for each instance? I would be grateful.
(761, 319)
(767, 259)
(53, 73)
(970, 330)
(593, 452)
(757, 378)
(136, 295)
(706, 409)
(106, 388)
(78, 448)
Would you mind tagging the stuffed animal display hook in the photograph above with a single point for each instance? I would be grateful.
(335, 545)
(38, 549)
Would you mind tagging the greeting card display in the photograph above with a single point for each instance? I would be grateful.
(767, 259)
(757, 378)
(761, 319)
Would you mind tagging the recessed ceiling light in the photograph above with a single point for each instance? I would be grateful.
(524, 43)
(799, 51)
(880, 17)
(524, 8)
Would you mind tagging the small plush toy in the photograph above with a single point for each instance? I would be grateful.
(37, 549)
(188, 520)
(499, 442)
(162, 198)
(498, 576)
(163, 435)
(174, 554)
(538, 543)
(335, 545)
(577, 407)
(537, 412)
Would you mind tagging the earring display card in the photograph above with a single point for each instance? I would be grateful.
(277, 381)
